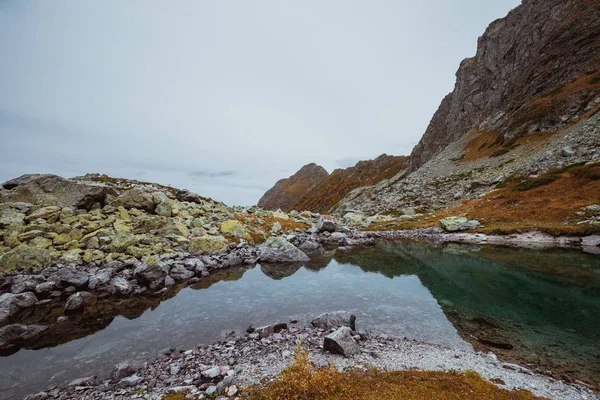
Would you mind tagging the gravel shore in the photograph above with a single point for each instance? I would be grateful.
(225, 367)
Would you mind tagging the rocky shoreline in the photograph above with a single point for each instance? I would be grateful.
(533, 239)
(224, 368)
(76, 287)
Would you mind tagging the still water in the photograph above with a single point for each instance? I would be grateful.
(533, 307)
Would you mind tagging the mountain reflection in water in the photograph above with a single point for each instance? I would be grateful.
(528, 306)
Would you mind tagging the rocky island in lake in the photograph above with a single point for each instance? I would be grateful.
(468, 269)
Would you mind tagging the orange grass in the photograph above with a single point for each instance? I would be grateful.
(304, 381)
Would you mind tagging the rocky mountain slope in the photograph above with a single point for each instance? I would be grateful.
(526, 104)
(286, 191)
(324, 195)
(536, 70)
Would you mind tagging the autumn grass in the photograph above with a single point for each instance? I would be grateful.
(304, 381)
(260, 228)
(550, 203)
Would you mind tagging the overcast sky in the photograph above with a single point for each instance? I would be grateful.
(224, 97)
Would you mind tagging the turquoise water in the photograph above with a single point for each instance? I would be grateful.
(538, 307)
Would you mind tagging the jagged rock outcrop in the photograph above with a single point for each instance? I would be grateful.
(536, 70)
(286, 192)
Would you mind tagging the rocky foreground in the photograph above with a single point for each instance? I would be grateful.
(225, 368)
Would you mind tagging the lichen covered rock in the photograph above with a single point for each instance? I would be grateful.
(208, 244)
(25, 259)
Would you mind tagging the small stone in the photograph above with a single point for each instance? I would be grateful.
(130, 381)
(211, 373)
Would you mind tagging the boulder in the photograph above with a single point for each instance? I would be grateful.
(78, 301)
(165, 208)
(25, 258)
(208, 244)
(120, 286)
(335, 319)
(11, 304)
(52, 190)
(122, 370)
(326, 224)
(456, 224)
(17, 334)
(135, 198)
(352, 218)
(10, 217)
(180, 273)
(341, 342)
(100, 280)
(49, 213)
(268, 330)
(130, 381)
(150, 275)
(45, 288)
(195, 264)
(279, 250)
(71, 276)
(234, 228)
(309, 246)
(25, 283)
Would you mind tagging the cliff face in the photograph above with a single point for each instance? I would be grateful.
(287, 191)
(536, 70)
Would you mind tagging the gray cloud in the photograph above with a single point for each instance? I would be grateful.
(208, 87)
(212, 174)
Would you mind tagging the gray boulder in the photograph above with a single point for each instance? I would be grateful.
(456, 224)
(136, 198)
(341, 342)
(25, 283)
(101, 279)
(122, 370)
(279, 250)
(326, 224)
(78, 301)
(120, 286)
(335, 319)
(180, 273)
(71, 276)
(53, 190)
(151, 275)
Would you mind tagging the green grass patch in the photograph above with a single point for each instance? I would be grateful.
(535, 183)
(500, 152)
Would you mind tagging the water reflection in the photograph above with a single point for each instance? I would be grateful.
(530, 306)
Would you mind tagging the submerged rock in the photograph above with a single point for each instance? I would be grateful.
(279, 250)
(341, 342)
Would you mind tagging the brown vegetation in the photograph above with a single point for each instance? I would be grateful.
(548, 203)
(324, 196)
(260, 228)
(492, 144)
(304, 381)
